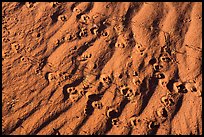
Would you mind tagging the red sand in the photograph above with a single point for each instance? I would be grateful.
(101, 68)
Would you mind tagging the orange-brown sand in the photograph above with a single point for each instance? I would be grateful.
(114, 68)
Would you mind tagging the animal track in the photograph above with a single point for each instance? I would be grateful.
(85, 57)
(106, 79)
(153, 124)
(157, 67)
(162, 114)
(85, 19)
(52, 77)
(167, 100)
(115, 121)
(72, 90)
(159, 75)
(97, 105)
(165, 59)
(120, 45)
(62, 18)
(121, 42)
(119, 29)
(95, 29)
(74, 44)
(127, 92)
(105, 33)
(77, 10)
(190, 87)
(83, 32)
(134, 121)
(112, 113)
(179, 87)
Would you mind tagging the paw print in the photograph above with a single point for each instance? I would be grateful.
(73, 94)
(85, 57)
(97, 105)
(83, 32)
(121, 42)
(52, 77)
(112, 113)
(167, 101)
(106, 79)
(94, 30)
(152, 124)
(162, 113)
(179, 87)
(119, 45)
(62, 18)
(72, 90)
(119, 29)
(115, 121)
(140, 49)
(134, 121)
(159, 75)
(29, 4)
(157, 67)
(77, 11)
(127, 92)
(85, 18)
(165, 58)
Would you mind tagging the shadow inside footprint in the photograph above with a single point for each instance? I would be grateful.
(55, 15)
(152, 61)
(170, 84)
(73, 84)
(147, 89)
(100, 86)
(154, 127)
(94, 97)
(177, 107)
(65, 93)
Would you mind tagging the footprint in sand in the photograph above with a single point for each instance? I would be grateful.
(84, 19)
(153, 124)
(167, 100)
(159, 75)
(161, 114)
(179, 87)
(94, 29)
(105, 79)
(97, 105)
(74, 94)
(157, 67)
(112, 113)
(85, 56)
(115, 122)
(83, 32)
(134, 121)
(62, 18)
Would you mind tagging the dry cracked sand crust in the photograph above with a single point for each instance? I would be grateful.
(101, 68)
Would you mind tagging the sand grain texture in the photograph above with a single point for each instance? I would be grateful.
(114, 68)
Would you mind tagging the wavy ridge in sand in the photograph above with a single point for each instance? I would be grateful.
(101, 68)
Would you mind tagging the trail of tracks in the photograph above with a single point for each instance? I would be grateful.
(101, 68)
